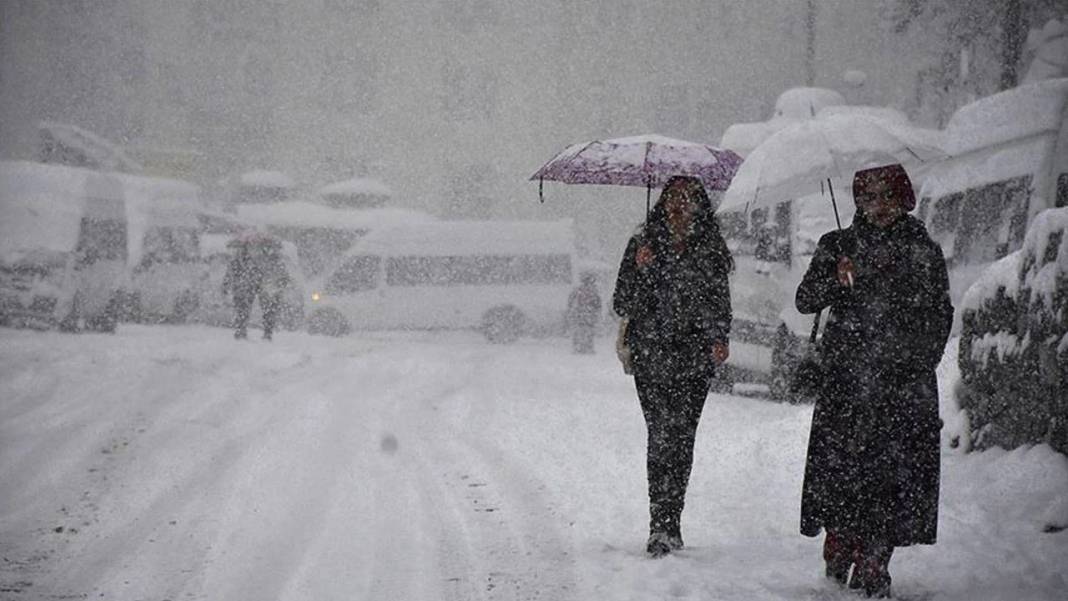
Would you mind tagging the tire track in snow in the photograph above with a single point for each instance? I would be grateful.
(497, 536)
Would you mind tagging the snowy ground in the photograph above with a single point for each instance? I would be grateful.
(177, 463)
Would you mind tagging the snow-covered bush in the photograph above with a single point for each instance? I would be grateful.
(1014, 343)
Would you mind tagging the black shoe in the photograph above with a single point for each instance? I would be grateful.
(878, 587)
(838, 572)
(658, 545)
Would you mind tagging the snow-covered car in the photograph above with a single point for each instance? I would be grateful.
(505, 278)
(63, 246)
(217, 309)
(1014, 343)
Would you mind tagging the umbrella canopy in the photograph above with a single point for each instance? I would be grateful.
(253, 237)
(647, 161)
(797, 160)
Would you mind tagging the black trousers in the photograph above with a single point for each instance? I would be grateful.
(269, 303)
(671, 403)
(582, 339)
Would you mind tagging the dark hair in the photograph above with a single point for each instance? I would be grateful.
(894, 176)
(706, 231)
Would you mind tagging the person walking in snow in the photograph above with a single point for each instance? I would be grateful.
(583, 313)
(673, 292)
(256, 270)
(872, 469)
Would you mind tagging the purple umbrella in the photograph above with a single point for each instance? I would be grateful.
(640, 161)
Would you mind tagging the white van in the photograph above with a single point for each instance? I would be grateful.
(506, 278)
(63, 246)
(165, 258)
(1009, 161)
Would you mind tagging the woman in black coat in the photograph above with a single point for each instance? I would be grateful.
(672, 289)
(872, 471)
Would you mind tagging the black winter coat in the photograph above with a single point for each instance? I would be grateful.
(679, 305)
(873, 456)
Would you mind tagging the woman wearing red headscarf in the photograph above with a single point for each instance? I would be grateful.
(872, 471)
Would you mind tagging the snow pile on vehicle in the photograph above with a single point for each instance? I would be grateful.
(1017, 113)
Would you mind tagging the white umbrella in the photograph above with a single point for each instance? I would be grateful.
(797, 160)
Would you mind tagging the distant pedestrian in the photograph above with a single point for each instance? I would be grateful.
(872, 471)
(583, 314)
(256, 270)
(673, 292)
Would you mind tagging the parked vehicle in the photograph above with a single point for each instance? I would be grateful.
(165, 258)
(322, 234)
(772, 250)
(1013, 353)
(217, 309)
(63, 246)
(1009, 161)
(505, 278)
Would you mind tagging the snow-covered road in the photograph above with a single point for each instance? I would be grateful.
(176, 463)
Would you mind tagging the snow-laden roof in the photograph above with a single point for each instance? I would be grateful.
(308, 214)
(465, 238)
(357, 185)
(882, 113)
(104, 153)
(1042, 275)
(804, 103)
(262, 178)
(41, 205)
(40, 208)
(1028, 110)
(992, 165)
(744, 137)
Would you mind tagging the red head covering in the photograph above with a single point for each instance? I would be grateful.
(893, 176)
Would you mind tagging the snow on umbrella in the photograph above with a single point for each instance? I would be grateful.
(797, 160)
(648, 161)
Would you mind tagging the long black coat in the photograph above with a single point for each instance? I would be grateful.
(873, 456)
(678, 306)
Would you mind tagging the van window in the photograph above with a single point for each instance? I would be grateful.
(101, 240)
(316, 246)
(763, 236)
(480, 270)
(354, 275)
(170, 245)
(946, 215)
(993, 220)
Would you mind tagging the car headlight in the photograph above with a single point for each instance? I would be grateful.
(315, 296)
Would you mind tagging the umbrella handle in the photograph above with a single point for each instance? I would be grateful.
(541, 189)
(834, 204)
(648, 194)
